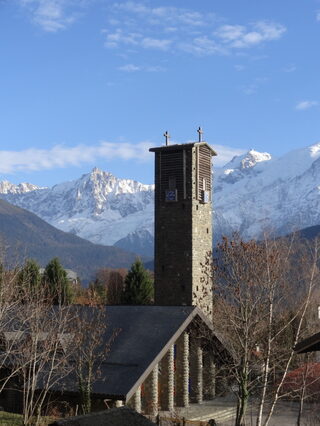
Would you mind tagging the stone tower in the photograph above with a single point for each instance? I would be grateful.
(183, 224)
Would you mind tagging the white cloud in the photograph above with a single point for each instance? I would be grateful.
(303, 105)
(134, 68)
(61, 156)
(202, 46)
(318, 16)
(164, 16)
(154, 43)
(240, 37)
(53, 15)
(230, 33)
(129, 68)
(251, 88)
(180, 29)
(119, 37)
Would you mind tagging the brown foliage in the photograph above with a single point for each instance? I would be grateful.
(113, 281)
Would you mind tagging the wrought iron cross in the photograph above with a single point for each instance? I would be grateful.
(167, 136)
(200, 131)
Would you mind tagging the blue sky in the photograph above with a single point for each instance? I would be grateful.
(89, 83)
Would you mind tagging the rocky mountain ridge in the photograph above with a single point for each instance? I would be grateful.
(253, 193)
(98, 207)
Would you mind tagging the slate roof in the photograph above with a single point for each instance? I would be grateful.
(146, 333)
(143, 336)
(310, 344)
(114, 417)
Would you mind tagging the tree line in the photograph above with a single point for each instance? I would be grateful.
(111, 286)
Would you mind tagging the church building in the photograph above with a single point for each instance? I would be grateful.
(166, 355)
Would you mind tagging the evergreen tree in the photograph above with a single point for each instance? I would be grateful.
(138, 286)
(98, 291)
(29, 278)
(55, 277)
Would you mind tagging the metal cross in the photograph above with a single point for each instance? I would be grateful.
(167, 136)
(200, 131)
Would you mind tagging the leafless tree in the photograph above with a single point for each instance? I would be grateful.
(43, 353)
(113, 282)
(93, 340)
(253, 308)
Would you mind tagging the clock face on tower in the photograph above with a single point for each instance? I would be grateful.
(171, 195)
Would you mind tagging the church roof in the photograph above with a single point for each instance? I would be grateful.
(146, 333)
(140, 336)
(143, 336)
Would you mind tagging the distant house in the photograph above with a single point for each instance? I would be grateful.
(72, 276)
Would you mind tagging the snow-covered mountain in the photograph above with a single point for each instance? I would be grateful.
(7, 187)
(253, 193)
(98, 207)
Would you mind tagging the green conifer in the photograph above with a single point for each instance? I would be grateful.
(29, 277)
(55, 277)
(138, 284)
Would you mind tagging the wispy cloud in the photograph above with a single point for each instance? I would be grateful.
(53, 15)
(318, 16)
(129, 68)
(251, 88)
(120, 37)
(134, 68)
(164, 16)
(138, 25)
(303, 105)
(202, 46)
(243, 37)
(61, 156)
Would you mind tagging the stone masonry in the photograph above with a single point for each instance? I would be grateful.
(183, 225)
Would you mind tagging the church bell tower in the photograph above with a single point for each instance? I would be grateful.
(183, 223)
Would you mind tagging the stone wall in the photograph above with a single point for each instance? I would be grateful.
(183, 228)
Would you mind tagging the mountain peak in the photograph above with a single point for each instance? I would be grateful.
(315, 149)
(7, 187)
(96, 172)
(253, 157)
(247, 160)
